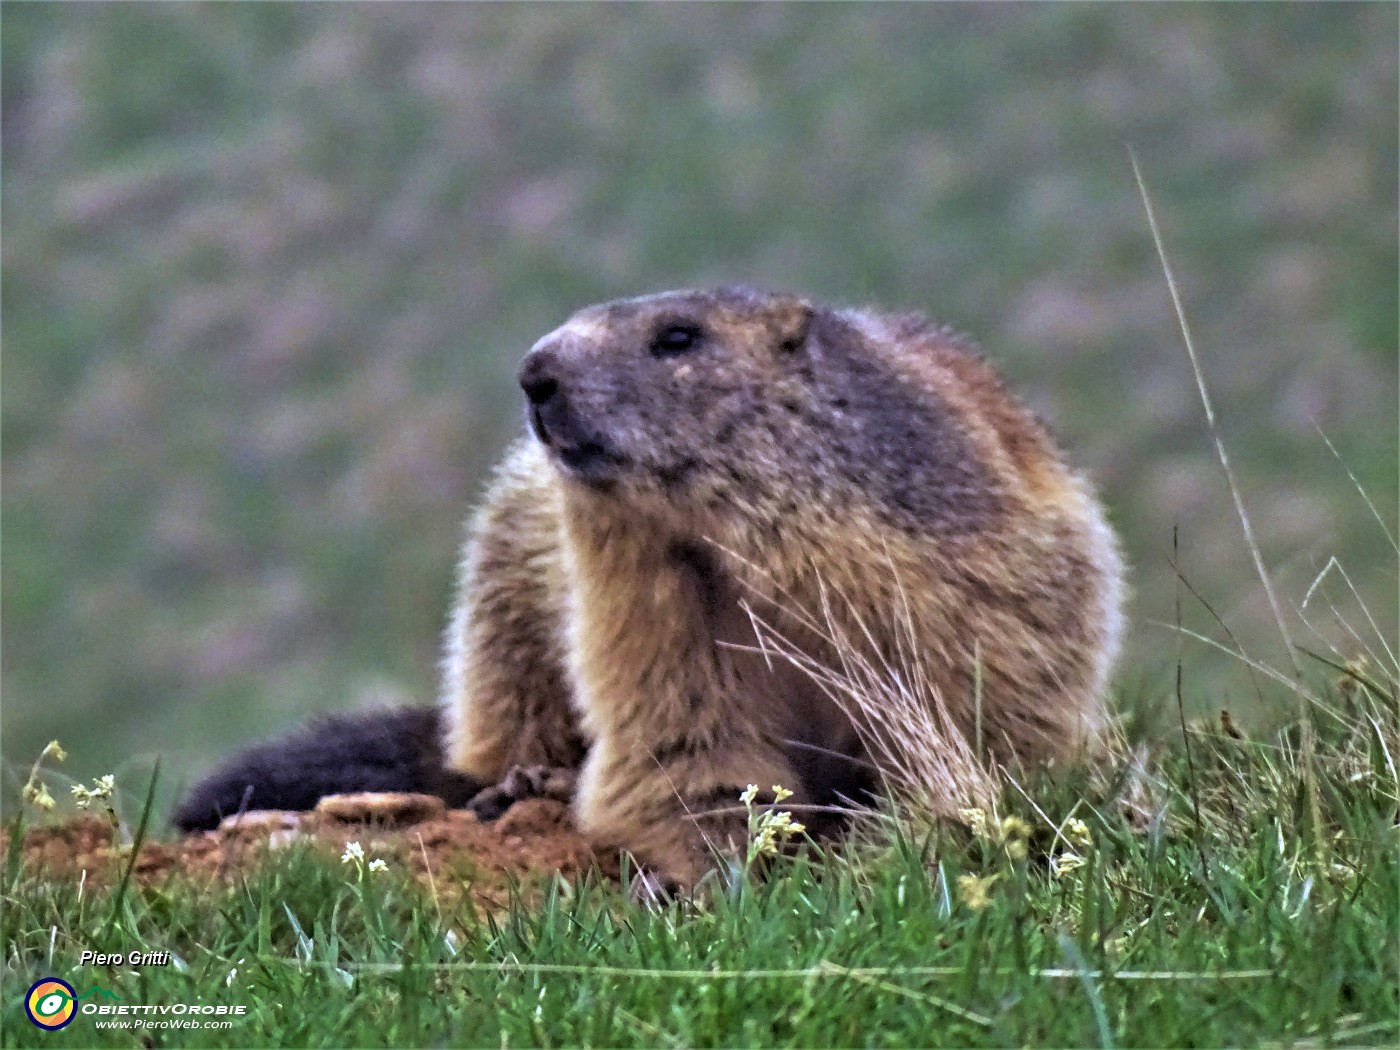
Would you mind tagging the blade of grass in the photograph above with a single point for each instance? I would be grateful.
(888, 986)
(1211, 423)
(1185, 733)
(136, 840)
(1086, 979)
(1305, 719)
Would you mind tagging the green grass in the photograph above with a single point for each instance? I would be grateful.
(1219, 915)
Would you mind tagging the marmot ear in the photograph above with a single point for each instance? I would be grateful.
(791, 319)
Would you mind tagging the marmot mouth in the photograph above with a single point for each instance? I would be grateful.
(588, 458)
(583, 456)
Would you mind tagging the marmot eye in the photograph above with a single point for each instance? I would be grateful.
(674, 339)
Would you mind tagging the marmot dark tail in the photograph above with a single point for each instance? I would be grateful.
(395, 750)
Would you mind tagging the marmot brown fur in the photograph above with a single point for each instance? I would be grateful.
(709, 470)
(699, 460)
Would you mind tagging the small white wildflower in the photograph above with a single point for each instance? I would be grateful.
(1014, 828)
(973, 889)
(1077, 833)
(783, 822)
(354, 853)
(34, 790)
(749, 794)
(1013, 833)
(37, 793)
(975, 819)
(772, 830)
(1067, 862)
(101, 790)
(378, 865)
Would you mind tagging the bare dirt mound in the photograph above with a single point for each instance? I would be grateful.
(451, 850)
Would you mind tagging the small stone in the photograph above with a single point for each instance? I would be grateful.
(265, 820)
(390, 807)
(284, 838)
(534, 816)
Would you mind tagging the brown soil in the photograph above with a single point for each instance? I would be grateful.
(450, 851)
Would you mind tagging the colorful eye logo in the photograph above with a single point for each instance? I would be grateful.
(50, 1003)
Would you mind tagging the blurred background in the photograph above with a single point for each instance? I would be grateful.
(268, 271)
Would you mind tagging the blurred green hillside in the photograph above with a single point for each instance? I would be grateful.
(268, 270)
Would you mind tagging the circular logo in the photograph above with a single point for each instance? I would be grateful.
(49, 1003)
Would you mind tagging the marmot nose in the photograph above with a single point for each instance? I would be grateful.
(538, 377)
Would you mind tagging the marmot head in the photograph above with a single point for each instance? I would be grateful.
(743, 400)
(640, 394)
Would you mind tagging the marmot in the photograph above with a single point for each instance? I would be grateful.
(709, 470)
